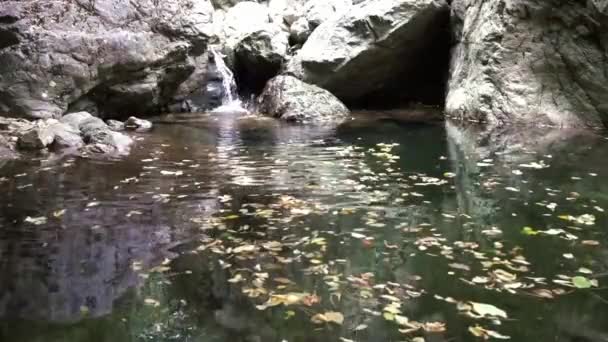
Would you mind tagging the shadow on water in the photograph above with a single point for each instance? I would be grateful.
(369, 213)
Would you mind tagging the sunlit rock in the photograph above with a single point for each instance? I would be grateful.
(531, 62)
(290, 99)
(109, 57)
(370, 46)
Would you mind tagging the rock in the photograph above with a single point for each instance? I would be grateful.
(530, 61)
(240, 21)
(40, 136)
(290, 99)
(319, 11)
(374, 44)
(299, 31)
(259, 57)
(7, 149)
(136, 124)
(96, 132)
(115, 125)
(106, 56)
(66, 136)
(76, 120)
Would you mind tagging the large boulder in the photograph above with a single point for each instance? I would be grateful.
(374, 44)
(259, 57)
(112, 57)
(290, 99)
(315, 12)
(237, 23)
(530, 61)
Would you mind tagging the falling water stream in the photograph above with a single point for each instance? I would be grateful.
(230, 99)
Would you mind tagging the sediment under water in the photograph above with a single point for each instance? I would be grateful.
(217, 228)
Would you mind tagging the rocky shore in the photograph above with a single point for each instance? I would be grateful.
(530, 62)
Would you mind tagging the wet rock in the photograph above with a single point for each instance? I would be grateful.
(106, 56)
(290, 99)
(259, 57)
(7, 148)
(530, 61)
(96, 132)
(115, 125)
(136, 124)
(372, 44)
(66, 136)
(40, 136)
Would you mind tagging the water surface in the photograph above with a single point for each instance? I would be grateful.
(217, 228)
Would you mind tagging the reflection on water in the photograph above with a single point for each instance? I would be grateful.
(188, 237)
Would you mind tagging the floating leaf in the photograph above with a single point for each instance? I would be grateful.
(529, 231)
(581, 282)
(328, 317)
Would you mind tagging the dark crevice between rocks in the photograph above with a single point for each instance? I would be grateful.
(425, 82)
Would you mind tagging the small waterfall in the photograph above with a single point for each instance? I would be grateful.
(230, 99)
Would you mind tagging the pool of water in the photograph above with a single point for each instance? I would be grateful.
(223, 228)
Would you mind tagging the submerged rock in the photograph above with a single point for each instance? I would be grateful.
(363, 50)
(290, 99)
(530, 61)
(106, 56)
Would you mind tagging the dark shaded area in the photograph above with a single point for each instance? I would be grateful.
(425, 82)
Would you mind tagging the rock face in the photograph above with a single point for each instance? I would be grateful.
(290, 99)
(238, 22)
(375, 43)
(530, 61)
(259, 57)
(107, 56)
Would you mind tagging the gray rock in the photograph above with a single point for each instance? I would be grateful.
(536, 62)
(319, 11)
(259, 57)
(96, 132)
(360, 52)
(66, 136)
(76, 119)
(290, 99)
(7, 148)
(136, 124)
(108, 56)
(115, 125)
(40, 136)
(107, 141)
(238, 22)
(299, 31)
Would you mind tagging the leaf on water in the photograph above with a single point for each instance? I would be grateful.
(529, 231)
(581, 282)
(328, 317)
(59, 213)
(459, 266)
(481, 310)
(152, 302)
(36, 220)
(484, 333)
(585, 219)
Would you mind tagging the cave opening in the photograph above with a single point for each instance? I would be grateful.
(424, 81)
